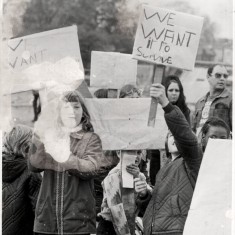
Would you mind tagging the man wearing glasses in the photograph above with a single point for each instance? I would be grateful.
(217, 102)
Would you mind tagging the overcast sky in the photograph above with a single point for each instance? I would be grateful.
(219, 11)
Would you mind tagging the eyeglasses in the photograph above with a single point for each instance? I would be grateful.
(219, 75)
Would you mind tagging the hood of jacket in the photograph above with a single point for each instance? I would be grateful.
(12, 167)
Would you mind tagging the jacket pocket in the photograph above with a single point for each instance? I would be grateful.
(221, 111)
(40, 206)
(175, 205)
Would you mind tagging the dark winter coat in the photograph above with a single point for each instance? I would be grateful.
(20, 189)
(66, 203)
(168, 206)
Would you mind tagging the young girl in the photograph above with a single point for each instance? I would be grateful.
(116, 210)
(20, 187)
(66, 203)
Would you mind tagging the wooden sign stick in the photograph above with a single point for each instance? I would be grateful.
(158, 73)
(128, 196)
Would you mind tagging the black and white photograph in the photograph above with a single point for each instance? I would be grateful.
(116, 117)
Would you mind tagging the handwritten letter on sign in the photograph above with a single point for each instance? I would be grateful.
(50, 46)
(167, 37)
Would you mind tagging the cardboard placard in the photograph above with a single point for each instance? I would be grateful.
(167, 37)
(121, 124)
(211, 207)
(112, 70)
(50, 46)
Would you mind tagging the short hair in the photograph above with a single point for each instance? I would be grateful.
(214, 121)
(17, 141)
(211, 68)
(101, 93)
(128, 89)
(75, 96)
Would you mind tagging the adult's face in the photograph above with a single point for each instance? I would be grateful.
(173, 92)
(215, 132)
(71, 114)
(217, 79)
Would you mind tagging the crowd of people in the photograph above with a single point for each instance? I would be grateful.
(84, 194)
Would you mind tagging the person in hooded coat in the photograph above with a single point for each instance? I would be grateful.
(20, 187)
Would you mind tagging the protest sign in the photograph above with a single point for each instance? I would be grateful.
(127, 158)
(50, 46)
(211, 207)
(167, 37)
(121, 124)
(112, 70)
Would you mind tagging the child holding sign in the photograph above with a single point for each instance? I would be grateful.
(66, 203)
(113, 217)
(169, 202)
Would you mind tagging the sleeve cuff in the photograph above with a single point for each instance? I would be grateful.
(168, 108)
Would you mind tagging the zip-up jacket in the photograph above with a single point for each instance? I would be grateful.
(66, 202)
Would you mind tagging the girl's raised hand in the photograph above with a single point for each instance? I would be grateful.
(158, 92)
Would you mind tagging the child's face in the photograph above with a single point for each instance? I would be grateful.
(171, 144)
(71, 114)
(215, 132)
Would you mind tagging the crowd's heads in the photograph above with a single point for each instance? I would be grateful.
(217, 76)
(101, 93)
(72, 111)
(172, 84)
(214, 128)
(16, 143)
(129, 91)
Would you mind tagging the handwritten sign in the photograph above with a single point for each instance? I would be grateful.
(167, 37)
(112, 70)
(211, 208)
(121, 124)
(50, 46)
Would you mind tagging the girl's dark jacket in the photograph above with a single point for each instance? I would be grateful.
(66, 202)
(20, 189)
(168, 206)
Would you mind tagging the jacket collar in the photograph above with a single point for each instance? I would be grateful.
(223, 94)
(78, 134)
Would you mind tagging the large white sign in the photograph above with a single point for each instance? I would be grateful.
(167, 37)
(112, 70)
(211, 208)
(122, 124)
(50, 46)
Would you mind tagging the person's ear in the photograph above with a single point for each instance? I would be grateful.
(203, 139)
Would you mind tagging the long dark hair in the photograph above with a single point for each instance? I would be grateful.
(75, 96)
(181, 102)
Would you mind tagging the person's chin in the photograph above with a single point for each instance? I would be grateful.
(220, 87)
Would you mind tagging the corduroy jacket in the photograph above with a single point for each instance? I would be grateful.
(168, 206)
